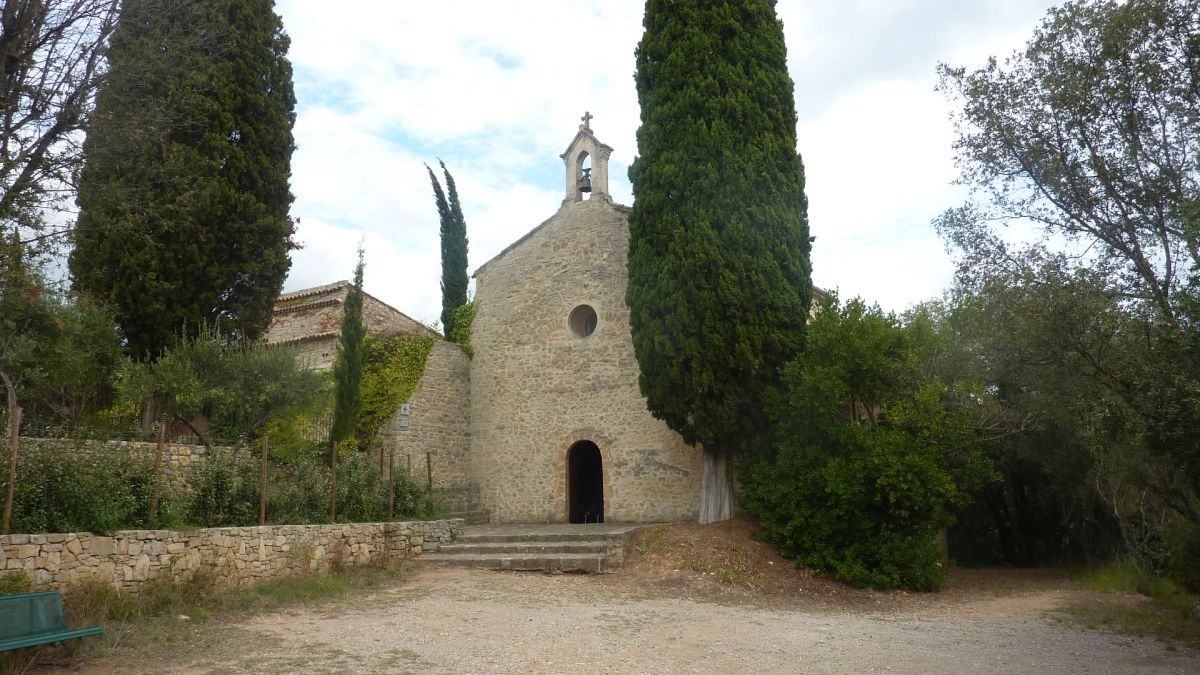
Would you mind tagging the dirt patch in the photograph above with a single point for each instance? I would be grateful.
(452, 620)
(731, 562)
(689, 599)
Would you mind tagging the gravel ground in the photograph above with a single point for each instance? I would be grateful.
(445, 620)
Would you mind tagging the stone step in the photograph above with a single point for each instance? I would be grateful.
(529, 537)
(598, 547)
(564, 562)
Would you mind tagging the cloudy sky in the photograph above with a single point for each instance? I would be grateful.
(495, 89)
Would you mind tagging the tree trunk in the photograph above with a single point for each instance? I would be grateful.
(156, 485)
(333, 483)
(262, 482)
(716, 487)
(14, 448)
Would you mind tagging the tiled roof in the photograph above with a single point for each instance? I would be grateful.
(316, 290)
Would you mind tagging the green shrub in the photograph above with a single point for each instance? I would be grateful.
(224, 491)
(869, 515)
(870, 453)
(66, 489)
(61, 489)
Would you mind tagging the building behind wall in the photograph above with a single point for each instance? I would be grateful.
(309, 320)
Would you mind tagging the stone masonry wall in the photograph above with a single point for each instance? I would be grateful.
(439, 426)
(177, 457)
(536, 388)
(237, 555)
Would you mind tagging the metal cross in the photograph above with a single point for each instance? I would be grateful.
(587, 120)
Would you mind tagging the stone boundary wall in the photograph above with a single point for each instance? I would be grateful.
(177, 458)
(236, 555)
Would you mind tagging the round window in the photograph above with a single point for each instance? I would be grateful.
(582, 321)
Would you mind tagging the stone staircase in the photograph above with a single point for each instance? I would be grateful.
(593, 548)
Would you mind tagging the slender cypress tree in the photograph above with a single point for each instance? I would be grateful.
(184, 193)
(719, 275)
(348, 364)
(454, 248)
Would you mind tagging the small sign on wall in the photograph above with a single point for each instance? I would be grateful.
(405, 409)
(405, 423)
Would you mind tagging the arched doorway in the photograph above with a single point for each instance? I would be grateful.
(585, 483)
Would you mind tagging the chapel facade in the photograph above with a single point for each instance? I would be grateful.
(545, 423)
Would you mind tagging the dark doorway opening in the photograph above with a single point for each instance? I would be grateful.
(585, 483)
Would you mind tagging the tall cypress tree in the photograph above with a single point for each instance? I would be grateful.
(348, 364)
(454, 248)
(184, 193)
(719, 274)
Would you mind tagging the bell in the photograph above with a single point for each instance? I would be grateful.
(585, 181)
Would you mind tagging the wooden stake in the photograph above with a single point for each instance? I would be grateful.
(262, 482)
(333, 484)
(156, 485)
(429, 469)
(14, 447)
(391, 480)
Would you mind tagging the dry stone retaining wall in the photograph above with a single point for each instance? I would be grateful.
(176, 458)
(237, 555)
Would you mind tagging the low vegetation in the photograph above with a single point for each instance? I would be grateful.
(64, 489)
(1137, 602)
(872, 451)
(176, 613)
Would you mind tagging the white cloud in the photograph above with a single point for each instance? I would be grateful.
(496, 89)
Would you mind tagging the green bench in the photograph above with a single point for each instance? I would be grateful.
(31, 619)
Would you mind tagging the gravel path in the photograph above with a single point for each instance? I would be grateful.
(460, 620)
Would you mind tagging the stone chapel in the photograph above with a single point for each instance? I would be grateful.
(545, 423)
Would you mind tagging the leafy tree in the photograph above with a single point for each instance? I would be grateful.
(719, 276)
(239, 385)
(349, 363)
(77, 362)
(1091, 133)
(25, 319)
(184, 193)
(50, 63)
(1043, 506)
(872, 450)
(454, 249)
(57, 355)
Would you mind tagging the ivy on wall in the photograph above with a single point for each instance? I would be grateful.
(464, 316)
(393, 368)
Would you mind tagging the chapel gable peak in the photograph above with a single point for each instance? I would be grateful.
(586, 161)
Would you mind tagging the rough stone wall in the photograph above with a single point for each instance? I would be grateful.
(439, 426)
(310, 320)
(536, 388)
(316, 354)
(177, 457)
(237, 555)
